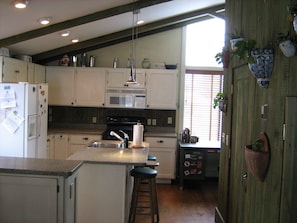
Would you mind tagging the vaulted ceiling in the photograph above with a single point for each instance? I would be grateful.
(97, 23)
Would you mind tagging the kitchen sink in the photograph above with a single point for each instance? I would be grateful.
(103, 144)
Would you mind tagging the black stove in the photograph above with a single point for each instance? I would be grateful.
(117, 123)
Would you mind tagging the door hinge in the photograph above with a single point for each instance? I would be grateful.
(284, 131)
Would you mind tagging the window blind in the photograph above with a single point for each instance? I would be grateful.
(199, 115)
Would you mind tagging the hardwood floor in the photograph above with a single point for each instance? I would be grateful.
(196, 203)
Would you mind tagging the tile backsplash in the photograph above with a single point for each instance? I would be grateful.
(88, 117)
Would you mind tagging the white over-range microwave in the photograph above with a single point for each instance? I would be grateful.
(126, 97)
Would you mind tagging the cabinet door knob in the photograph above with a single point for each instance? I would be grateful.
(160, 141)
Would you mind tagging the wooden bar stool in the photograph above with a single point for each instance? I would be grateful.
(144, 197)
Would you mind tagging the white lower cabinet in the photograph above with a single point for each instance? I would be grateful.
(37, 198)
(165, 150)
(61, 146)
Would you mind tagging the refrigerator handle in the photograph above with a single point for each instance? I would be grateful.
(39, 125)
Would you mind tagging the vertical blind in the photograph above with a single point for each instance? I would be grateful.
(199, 115)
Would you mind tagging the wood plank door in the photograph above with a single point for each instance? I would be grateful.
(288, 208)
(242, 116)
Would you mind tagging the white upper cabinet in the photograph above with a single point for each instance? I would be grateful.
(161, 89)
(76, 86)
(60, 85)
(90, 87)
(13, 70)
(36, 73)
(118, 77)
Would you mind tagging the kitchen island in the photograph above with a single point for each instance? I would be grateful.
(37, 190)
(104, 184)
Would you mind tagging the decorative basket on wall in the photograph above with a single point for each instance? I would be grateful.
(263, 65)
(258, 161)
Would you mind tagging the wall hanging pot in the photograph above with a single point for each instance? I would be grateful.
(288, 48)
(226, 58)
(223, 105)
(233, 43)
(263, 65)
(295, 24)
(258, 162)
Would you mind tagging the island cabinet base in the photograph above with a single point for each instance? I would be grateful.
(103, 193)
(37, 198)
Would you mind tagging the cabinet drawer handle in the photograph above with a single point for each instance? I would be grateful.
(17, 71)
(160, 141)
(86, 138)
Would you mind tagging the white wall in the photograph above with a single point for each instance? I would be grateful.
(161, 47)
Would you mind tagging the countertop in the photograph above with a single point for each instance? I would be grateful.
(137, 156)
(151, 133)
(15, 165)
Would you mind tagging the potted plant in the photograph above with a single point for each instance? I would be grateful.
(292, 16)
(286, 45)
(223, 57)
(244, 48)
(234, 38)
(257, 157)
(260, 61)
(220, 101)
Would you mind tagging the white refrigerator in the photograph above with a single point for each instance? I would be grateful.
(23, 119)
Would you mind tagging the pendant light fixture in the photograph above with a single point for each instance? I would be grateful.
(132, 78)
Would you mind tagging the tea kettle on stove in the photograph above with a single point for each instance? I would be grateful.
(186, 136)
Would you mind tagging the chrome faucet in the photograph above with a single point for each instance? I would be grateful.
(124, 140)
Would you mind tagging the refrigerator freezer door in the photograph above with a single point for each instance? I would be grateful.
(42, 115)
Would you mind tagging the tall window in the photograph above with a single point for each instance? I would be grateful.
(203, 79)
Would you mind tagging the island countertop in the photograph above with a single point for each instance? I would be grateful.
(135, 156)
(17, 165)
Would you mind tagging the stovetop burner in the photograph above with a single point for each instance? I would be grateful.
(116, 123)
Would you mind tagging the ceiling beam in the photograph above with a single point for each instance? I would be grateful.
(125, 35)
(79, 21)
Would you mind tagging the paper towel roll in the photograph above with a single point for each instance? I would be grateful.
(137, 135)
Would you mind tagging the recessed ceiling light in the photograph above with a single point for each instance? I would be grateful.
(140, 22)
(21, 4)
(44, 21)
(75, 40)
(66, 33)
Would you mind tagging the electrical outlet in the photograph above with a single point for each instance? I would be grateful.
(154, 121)
(94, 120)
(149, 121)
(169, 120)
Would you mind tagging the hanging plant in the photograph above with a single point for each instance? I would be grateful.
(293, 15)
(223, 57)
(257, 157)
(220, 101)
(243, 50)
(286, 45)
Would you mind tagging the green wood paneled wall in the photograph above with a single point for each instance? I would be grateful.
(258, 202)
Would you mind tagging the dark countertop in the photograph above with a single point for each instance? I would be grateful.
(201, 145)
(15, 165)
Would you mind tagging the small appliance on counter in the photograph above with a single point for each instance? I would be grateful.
(186, 136)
